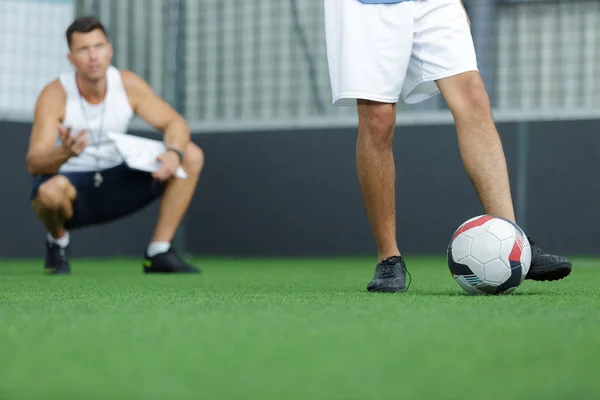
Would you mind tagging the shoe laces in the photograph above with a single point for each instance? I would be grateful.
(388, 269)
(409, 279)
(535, 250)
(57, 255)
(57, 249)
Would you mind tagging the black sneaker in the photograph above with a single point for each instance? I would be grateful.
(547, 267)
(57, 259)
(390, 276)
(167, 263)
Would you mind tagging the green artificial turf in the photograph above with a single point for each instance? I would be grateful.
(292, 329)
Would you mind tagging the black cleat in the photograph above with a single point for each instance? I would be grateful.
(57, 259)
(390, 276)
(168, 263)
(547, 267)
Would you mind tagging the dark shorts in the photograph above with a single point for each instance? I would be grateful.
(123, 191)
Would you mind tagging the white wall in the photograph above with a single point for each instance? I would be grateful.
(33, 51)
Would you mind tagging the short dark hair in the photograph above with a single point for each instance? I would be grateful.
(84, 25)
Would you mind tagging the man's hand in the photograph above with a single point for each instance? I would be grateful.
(169, 162)
(74, 145)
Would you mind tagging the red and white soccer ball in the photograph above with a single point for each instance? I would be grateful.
(489, 255)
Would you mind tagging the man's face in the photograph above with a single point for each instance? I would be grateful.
(91, 54)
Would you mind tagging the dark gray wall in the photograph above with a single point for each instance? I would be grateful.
(296, 194)
(564, 190)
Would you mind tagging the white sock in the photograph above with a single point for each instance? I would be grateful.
(155, 248)
(62, 241)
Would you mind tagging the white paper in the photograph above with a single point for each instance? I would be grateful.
(141, 153)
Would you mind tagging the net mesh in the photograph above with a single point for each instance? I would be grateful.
(32, 52)
(264, 61)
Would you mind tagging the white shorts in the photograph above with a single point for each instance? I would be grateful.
(379, 51)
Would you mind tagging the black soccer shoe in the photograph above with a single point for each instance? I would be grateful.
(57, 259)
(547, 267)
(168, 263)
(390, 276)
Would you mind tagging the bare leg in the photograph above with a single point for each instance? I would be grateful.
(376, 172)
(54, 204)
(484, 161)
(479, 142)
(177, 195)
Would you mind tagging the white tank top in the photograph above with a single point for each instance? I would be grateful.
(113, 114)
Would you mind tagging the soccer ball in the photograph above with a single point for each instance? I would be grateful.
(489, 255)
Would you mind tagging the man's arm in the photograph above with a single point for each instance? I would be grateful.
(43, 156)
(156, 112)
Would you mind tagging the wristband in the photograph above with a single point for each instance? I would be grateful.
(179, 153)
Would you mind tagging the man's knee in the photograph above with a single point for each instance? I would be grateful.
(377, 121)
(466, 96)
(475, 94)
(52, 194)
(193, 160)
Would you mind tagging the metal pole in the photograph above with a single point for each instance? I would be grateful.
(87, 7)
(483, 23)
(175, 65)
(310, 61)
(95, 8)
(172, 53)
(522, 174)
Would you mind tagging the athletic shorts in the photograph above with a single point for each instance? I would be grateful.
(380, 51)
(123, 191)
